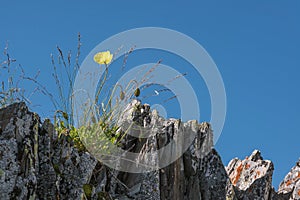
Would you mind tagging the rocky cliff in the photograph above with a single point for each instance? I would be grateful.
(37, 164)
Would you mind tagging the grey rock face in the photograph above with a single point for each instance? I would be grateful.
(291, 183)
(37, 164)
(34, 163)
(18, 153)
(251, 177)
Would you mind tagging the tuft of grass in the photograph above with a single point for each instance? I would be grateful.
(12, 77)
(101, 119)
(64, 73)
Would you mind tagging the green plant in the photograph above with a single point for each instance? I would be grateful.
(64, 128)
(100, 113)
(87, 189)
(102, 117)
(64, 81)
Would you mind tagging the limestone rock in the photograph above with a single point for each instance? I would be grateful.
(18, 153)
(251, 177)
(291, 183)
(37, 164)
(34, 163)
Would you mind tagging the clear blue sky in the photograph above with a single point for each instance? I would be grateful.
(255, 44)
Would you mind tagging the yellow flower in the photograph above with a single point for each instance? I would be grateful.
(104, 57)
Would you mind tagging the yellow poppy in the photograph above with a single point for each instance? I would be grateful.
(104, 57)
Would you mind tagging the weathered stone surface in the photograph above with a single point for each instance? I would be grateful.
(279, 196)
(37, 164)
(18, 153)
(197, 172)
(251, 177)
(34, 164)
(291, 183)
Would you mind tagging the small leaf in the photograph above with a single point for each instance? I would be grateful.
(122, 95)
(62, 124)
(88, 188)
(65, 116)
(137, 92)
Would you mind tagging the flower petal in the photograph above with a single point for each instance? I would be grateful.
(104, 57)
